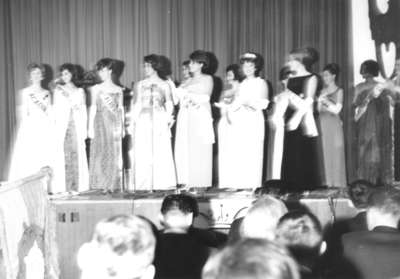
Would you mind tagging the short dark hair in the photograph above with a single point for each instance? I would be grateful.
(235, 69)
(301, 232)
(108, 63)
(251, 258)
(202, 57)
(359, 192)
(371, 67)
(254, 58)
(386, 200)
(32, 66)
(333, 69)
(306, 56)
(70, 68)
(185, 203)
(160, 63)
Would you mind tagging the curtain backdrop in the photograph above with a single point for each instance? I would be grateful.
(82, 31)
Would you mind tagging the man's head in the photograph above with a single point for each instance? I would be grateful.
(301, 233)
(178, 211)
(262, 218)
(384, 208)
(251, 258)
(359, 192)
(122, 246)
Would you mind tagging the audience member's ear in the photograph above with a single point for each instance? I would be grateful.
(161, 218)
(189, 219)
(322, 248)
(149, 273)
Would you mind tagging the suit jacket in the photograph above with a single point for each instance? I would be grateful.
(373, 254)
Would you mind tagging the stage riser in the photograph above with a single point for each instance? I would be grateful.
(76, 219)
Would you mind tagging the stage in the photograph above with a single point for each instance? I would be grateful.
(76, 215)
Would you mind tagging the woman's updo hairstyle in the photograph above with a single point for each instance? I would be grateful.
(333, 69)
(202, 57)
(70, 68)
(235, 69)
(370, 67)
(254, 58)
(306, 56)
(32, 66)
(106, 63)
(160, 64)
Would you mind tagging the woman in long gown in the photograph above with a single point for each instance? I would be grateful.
(194, 130)
(105, 129)
(330, 103)
(248, 126)
(72, 173)
(34, 144)
(301, 155)
(154, 167)
(226, 151)
(373, 127)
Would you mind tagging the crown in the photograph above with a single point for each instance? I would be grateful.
(249, 55)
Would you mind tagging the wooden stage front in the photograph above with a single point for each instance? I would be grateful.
(77, 215)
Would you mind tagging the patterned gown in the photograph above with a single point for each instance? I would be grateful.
(71, 118)
(105, 161)
(374, 138)
(154, 167)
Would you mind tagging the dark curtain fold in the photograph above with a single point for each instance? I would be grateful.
(81, 32)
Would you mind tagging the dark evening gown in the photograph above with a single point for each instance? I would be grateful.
(301, 162)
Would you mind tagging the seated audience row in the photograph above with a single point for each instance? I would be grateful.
(268, 242)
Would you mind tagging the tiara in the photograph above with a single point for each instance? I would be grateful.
(249, 55)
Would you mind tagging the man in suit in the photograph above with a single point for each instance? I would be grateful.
(375, 254)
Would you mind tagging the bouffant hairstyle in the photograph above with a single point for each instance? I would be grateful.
(333, 69)
(106, 63)
(254, 58)
(202, 57)
(370, 67)
(306, 56)
(32, 66)
(160, 64)
(235, 69)
(70, 68)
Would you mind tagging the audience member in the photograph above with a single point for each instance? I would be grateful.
(375, 253)
(122, 247)
(358, 191)
(260, 221)
(251, 258)
(182, 249)
(301, 233)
